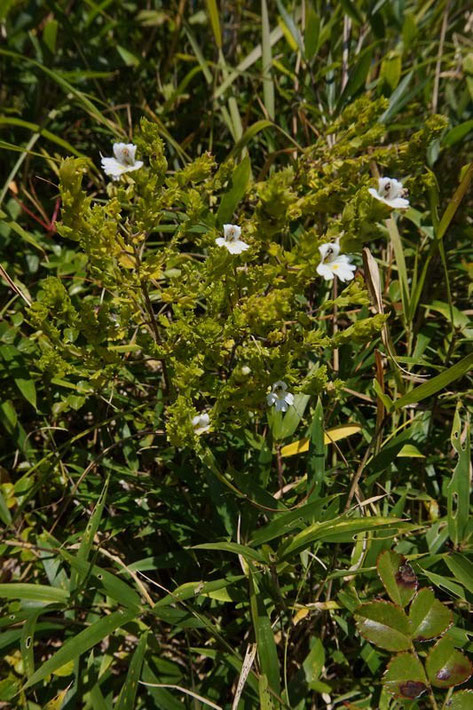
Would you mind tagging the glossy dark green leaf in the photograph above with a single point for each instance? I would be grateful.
(384, 624)
(428, 616)
(446, 666)
(397, 576)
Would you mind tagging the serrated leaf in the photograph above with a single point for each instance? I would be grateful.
(463, 700)
(397, 576)
(405, 677)
(428, 616)
(384, 624)
(446, 666)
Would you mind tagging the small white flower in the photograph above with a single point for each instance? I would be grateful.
(390, 191)
(123, 162)
(280, 397)
(231, 239)
(201, 423)
(335, 264)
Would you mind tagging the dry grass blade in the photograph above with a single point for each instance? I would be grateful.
(183, 690)
(13, 286)
(248, 661)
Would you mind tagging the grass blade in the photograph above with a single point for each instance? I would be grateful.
(77, 645)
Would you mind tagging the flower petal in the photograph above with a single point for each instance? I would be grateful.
(325, 271)
(329, 251)
(112, 167)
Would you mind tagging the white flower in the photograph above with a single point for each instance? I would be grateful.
(335, 264)
(201, 423)
(231, 239)
(123, 162)
(280, 397)
(390, 191)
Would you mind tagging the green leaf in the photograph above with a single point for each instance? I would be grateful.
(286, 522)
(314, 662)
(317, 453)
(26, 643)
(446, 666)
(250, 133)
(126, 700)
(291, 419)
(82, 642)
(34, 592)
(437, 383)
(16, 367)
(456, 134)
(458, 491)
(405, 677)
(231, 199)
(5, 515)
(352, 11)
(391, 68)
(337, 530)
(312, 32)
(130, 59)
(89, 535)
(112, 585)
(57, 702)
(428, 616)
(190, 590)
(357, 76)
(212, 9)
(462, 569)
(268, 86)
(384, 624)
(243, 550)
(455, 202)
(267, 652)
(463, 700)
(397, 576)
(291, 26)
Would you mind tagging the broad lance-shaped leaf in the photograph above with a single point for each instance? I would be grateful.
(80, 643)
(338, 530)
(458, 491)
(405, 677)
(462, 568)
(384, 624)
(446, 666)
(428, 617)
(463, 700)
(397, 576)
